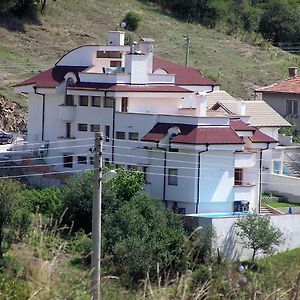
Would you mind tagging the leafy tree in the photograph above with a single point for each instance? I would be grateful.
(258, 234)
(26, 8)
(140, 235)
(78, 195)
(132, 20)
(14, 213)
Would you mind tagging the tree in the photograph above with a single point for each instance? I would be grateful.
(140, 235)
(258, 234)
(78, 195)
(132, 20)
(14, 213)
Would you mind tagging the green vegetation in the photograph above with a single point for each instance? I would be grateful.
(292, 131)
(132, 20)
(258, 234)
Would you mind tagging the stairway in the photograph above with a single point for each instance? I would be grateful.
(289, 170)
(265, 210)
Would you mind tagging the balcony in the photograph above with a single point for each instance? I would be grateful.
(245, 159)
(67, 112)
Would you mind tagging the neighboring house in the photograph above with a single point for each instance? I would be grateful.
(154, 117)
(284, 96)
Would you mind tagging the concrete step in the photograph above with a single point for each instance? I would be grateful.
(265, 210)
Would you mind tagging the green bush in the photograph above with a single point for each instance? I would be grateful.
(47, 201)
(132, 20)
(13, 289)
(141, 235)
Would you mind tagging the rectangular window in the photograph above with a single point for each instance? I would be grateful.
(91, 160)
(238, 176)
(109, 102)
(96, 101)
(172, 176)
(291, 107)
(109, 54)
(95, 127)
(124, 104)
(69, 100)
(133, 136)
(83, 100)
(107, 131)
(82, 127)
(82, 159)
(116, 64)
(68, 129)
(120, 135)
(68, 161)
(145, 173)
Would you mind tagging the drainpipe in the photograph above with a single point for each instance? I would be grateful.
(43, 111)
(198, 177)
(113, 132)
(165, 175)
(260, 175)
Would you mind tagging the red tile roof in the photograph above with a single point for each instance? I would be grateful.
(184, 75)
(239, 125)
(51, 78)
(128, 87)
(259, 137)
(193, 134)
(288, 86)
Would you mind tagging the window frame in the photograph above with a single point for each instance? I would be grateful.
(93, 101)
(82, 160)
(85, 126)
(238, 176)
(83, 100)
(69, 100)
(66, 163)
(291, 107)
(124, 104)
(130, 136)
(172, 178)
(120, 138)
(92, 129)
(112, 103)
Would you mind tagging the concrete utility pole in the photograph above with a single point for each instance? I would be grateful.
(187, 49)
(96, 218)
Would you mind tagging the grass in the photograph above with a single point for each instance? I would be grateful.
(238, 66)
(280, 204)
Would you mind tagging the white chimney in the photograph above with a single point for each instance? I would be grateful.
(116, 38)
(242, 108)
(201, 104)
(147, 47)
(293, 71)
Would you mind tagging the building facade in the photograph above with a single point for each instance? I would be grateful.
(153, 114)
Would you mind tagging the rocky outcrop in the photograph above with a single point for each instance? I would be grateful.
(13, 117)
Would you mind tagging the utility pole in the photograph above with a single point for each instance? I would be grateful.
(96, 218)
(187, 49)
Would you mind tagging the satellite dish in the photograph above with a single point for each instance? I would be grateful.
(123, 25)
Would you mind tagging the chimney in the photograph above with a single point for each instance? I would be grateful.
(242, 108)
(201, 104)
(116, 38)
(146, 46)
(293, 71)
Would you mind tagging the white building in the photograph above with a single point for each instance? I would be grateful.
(153, 114)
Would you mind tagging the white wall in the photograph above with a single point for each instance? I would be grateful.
(230, 244)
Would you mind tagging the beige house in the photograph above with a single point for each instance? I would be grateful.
(284, 96)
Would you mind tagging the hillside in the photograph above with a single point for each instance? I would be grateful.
(26, 49)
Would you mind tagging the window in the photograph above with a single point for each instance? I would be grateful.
(91, 160)
(109, 102)
(69, 100)
(109, 54)
(145, 173)
(96, 101)
(238, 176)
(83, 100)
(95, 127)
(291, 108)
(116, 63)
(106, 161)
(124, 104)
(107, 133)
(134, 136)
(82, 127)
(82, 159)
(68, 129)
(68, 161)
(120, 135)
(172, 176)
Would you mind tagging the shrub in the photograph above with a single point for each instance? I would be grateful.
(47, 201)
(132, 20)
(140, 235)
(13, 289)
